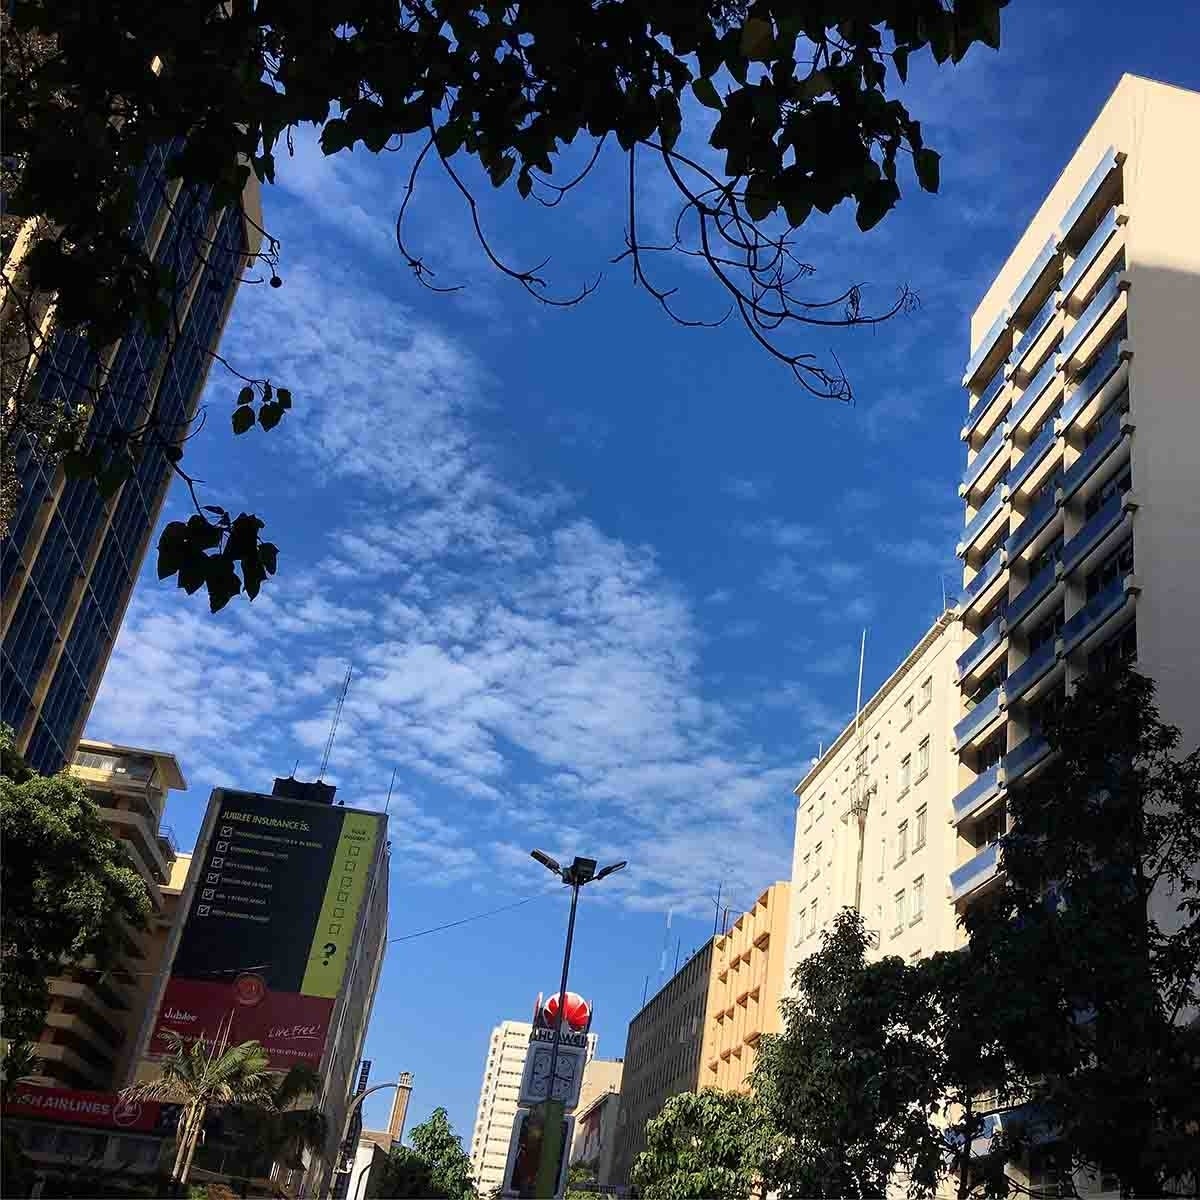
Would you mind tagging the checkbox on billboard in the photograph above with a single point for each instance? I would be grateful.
(222, 847)
(343, 896)
(227, 831)
(202, 911)
(339, 912)
(346, 881)
(218, 862)
(215, 877)
(350, 866)
(354, 851)
(208, 893)
(334, 927)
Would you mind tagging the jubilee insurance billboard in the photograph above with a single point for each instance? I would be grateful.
(275, 902)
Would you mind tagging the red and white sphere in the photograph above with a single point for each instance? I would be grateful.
(577, 1012)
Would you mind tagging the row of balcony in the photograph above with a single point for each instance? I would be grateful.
(975, 872)
(988, 786)
(1087, 383)
(1110, 291)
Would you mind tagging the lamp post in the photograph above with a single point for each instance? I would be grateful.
(580, 873)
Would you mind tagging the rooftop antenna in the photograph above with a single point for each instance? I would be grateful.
(388, 802)
(717, 914)
(337, 716)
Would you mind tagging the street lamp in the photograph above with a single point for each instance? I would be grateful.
(581, 872)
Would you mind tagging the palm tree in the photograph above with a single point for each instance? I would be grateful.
(275, 1129)
(202, 1075)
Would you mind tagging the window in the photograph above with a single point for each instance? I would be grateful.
(901, 842)
(919, 832)
(816, 871)
(860, 763)
(875, 748)
(899, 913)
(918, 900)
(807, 817)
(922, 759)
(812, 917)
(905, 773)
(804, 873)
(926, 691)
(820, 805)
(908, 713)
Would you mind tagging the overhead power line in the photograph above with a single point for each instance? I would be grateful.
(491, 912)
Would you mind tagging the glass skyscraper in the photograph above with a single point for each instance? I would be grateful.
(71, 557)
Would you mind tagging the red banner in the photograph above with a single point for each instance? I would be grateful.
(291, 1026)
(97, 1110)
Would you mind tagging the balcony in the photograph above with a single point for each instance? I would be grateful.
(1100, 304)
(979, 718)
(980, 522)
(985, 347)
(988, 640)
(983, 578)
(1047, 254)
(1037, 455)
(1019, 762)
(1103, 234)
(1094, 616)
(1032, 671)
(1042, 321)
(988, 454)
(981, 791)
(1098, 372)
(1038, 589)
(1037, 520)
(974, 873)
(1038, 387)
(1107, 518)
(1086, 465)
(987, 399)
(1088, 192)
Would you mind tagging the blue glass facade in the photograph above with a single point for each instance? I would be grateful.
(69, 564)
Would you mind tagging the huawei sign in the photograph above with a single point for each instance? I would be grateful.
(577, 1013)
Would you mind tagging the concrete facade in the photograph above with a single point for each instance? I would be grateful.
(900, 765)
(91, 1032)
(595, 1135)
(1081, 491)
(662, 1055)
(749, 966)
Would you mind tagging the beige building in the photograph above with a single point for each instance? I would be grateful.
(873, 814)
(91, 1031)
(1082, 489)
(596, 1116)
(498, 1095)
(663, 1052)
(749, 966)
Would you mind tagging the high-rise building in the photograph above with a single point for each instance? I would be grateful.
(873, 813)
(663, 1052)
(498, 1100)
(71, 556)
(1081, 487)
(282, 940)
(91, 1031)
(748, 975)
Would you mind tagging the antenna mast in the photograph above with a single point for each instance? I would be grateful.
(337, 716)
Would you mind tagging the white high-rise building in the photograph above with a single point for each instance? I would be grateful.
(498, 1093)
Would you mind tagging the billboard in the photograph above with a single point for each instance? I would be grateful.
(93, 1110)
(277, 891)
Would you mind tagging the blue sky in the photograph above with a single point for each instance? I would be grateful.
(602, 579)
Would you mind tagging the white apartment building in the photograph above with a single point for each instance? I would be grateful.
(897, 768)
(498, 1095)
(1082, 483)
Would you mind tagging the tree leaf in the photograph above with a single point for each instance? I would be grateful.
(284, 397)
(243, 420)
(927, 162)
(705, 91)
(757, 38)
(270, 414)
(246, 395)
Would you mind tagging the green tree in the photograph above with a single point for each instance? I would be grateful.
(71, 895)
(435, 1141)
(702, 1144)
(754, 113)
(1098, 927)
(202, 1076)
(581, 1181)
(406, 1174)
(276, 1128)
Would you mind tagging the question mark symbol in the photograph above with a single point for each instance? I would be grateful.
(329, 950)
